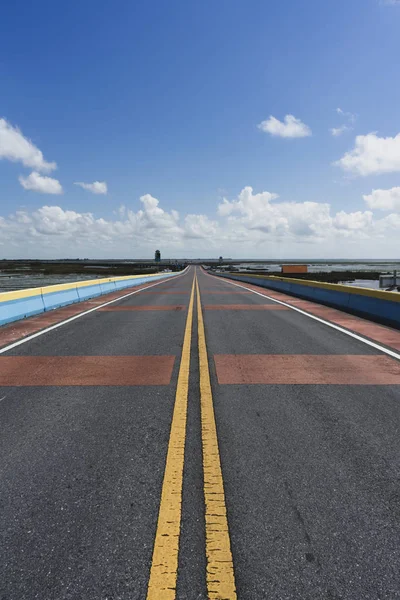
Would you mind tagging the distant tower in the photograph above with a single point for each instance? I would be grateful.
(221, 260)
(157, 256)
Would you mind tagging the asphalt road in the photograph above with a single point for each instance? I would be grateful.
(91, 454)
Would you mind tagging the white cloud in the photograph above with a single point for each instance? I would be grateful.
(53, 220)
(97, 187)
(153, 218)
(252, 224)
(259, 212)
(389, 226)
(384, 199)
(351, 117)
(391, 2)
(254, 219)
(356, 221)
(17, 148)
(121, 210)
(337, 131)
(41, 183)
(289, 128)
(247, 203)
(372, 155)
(200, 227)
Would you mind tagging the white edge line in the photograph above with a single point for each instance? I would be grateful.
(82, 314)
(302, 312)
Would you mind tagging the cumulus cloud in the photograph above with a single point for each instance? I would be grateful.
(259, 212)
(372, 155)
(249, 204)
(14, 146)
(149, 225)
(258, 218)
(355, 221)
(290, 127)
(250, 224)
(97, 187)
(200, 227)
(41, 183)
(384, 199)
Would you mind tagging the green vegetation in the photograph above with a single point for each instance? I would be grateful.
(83, 267)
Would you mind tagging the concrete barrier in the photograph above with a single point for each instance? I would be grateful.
(55, 296)
(91, 290)
(26, 303)
(377, 305)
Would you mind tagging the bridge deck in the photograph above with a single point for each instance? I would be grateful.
(290, 453)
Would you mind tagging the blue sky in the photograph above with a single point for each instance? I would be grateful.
(163, 101)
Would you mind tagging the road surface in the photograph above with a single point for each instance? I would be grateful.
(198, 440)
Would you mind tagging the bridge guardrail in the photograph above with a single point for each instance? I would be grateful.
(377, 305)
(26, 303)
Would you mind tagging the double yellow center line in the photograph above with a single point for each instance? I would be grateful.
(164, 568)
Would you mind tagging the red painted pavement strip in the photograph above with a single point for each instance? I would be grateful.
(115, 308)
(378, 333)
(244, 307)
(224, 292)
(25, 327)
(306, 369)
(168, 292)
(85, 370)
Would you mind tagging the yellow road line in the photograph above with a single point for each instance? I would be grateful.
(220, 572)
(164, 567)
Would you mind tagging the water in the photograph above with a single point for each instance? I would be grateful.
(20, 280)
(17, 281)
(329, 266)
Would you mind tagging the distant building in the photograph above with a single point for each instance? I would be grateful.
(294, 269)
(157, 256)
(221, 260)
